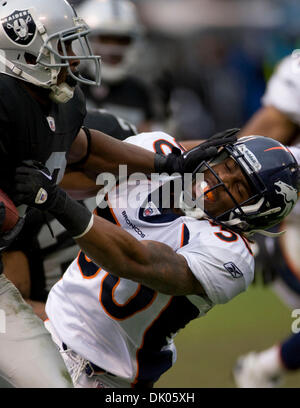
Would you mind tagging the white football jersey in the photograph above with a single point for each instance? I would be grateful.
(283, 89)
(125, 327)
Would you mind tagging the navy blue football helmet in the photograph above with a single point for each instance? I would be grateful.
(274, 178)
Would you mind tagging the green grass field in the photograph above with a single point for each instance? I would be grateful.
(209, 346)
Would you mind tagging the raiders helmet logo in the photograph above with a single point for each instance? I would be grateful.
(19, 27)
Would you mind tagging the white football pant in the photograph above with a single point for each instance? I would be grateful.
(76, 365)
(28, 356)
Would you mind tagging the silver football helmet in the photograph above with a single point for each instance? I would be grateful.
(115, 35)
(34, 35)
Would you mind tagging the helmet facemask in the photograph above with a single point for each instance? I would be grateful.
(271, 186)
(58, 60)
(234, 217)
(54, 60)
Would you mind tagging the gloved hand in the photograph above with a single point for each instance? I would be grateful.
(6, 238)
(35, 187)
(176, 162)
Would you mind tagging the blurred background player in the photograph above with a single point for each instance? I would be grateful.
(278, 260)
(117, 35)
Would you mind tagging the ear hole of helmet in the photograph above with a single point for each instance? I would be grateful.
(29, 58)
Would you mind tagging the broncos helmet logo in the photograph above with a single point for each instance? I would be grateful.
(289, 194)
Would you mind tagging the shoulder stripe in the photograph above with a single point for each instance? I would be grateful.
(185, 236)
(107, 213)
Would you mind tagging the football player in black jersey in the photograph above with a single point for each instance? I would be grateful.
(44, 256)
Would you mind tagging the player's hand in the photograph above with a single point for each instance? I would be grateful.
(176, 162)
(6, 238)
(35, 186)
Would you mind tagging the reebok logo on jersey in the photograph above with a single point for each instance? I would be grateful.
(233, 270)
(134, 227)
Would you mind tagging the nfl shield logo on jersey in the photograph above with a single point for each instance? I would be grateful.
(147, 212)
(51, 123)
(19, 27)
(151, 209)
(233, 270)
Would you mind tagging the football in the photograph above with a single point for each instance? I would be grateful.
(11, 213)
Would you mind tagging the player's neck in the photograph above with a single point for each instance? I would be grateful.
(175, 205)
(41, 95)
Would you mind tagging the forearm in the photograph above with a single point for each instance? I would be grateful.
(94, 152)
(150, 263)
(113, 249)
(269, 122)
(78, 185)
(107, 153)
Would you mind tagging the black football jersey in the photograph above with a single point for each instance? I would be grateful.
(30, 131)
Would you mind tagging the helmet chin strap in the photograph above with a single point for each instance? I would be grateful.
(194, 212)
(61, 93)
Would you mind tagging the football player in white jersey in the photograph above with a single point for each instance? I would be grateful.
(147, 269)
(278, 260)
